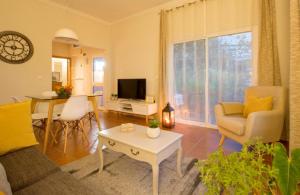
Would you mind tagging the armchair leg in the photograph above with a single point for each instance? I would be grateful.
(222, 140)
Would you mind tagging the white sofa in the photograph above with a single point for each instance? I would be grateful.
(265, 125)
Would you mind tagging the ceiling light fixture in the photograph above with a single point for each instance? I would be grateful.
(67, 36)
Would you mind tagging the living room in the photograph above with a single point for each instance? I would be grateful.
(139, 97)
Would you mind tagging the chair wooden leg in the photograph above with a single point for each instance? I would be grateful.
(66, 136)
(56, 131)
(222, 140)
(90, 119)
(83, 132)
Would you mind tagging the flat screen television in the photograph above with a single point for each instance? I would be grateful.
(132, 89)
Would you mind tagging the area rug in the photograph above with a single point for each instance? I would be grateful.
(123, 175)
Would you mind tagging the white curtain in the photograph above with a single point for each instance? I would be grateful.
(205, 63)
(268, 59)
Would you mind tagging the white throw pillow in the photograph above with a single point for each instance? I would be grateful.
(4, 185)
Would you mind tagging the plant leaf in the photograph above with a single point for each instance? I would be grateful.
(281, 163)
(294, 171)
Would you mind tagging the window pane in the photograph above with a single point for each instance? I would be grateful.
(189, 76)
(230, 69)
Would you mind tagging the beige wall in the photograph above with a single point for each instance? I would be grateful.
(61, 49)
(135, 45)
(39, 20)
(135, 50)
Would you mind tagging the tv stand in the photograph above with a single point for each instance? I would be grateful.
(134, 107)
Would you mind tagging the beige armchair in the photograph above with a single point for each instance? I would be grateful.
(265, 125)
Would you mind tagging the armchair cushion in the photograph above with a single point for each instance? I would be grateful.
(235, 123)
(255, 104)
(230, 108)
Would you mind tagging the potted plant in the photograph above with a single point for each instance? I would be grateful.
(243, 172)
(249, 170)
(287, 170)
(153, 130)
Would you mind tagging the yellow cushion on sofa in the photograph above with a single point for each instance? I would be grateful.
(255, 104)
(16, 130)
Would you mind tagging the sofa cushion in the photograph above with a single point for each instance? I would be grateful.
(235, 124)
(57, 183)
(26, 166)
(16, 127)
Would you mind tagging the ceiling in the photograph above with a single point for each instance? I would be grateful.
(110, 10)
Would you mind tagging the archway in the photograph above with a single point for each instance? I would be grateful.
(87, 64)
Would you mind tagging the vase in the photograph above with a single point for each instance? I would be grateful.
(153, 132)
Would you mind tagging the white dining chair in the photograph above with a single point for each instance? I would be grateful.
(40, 115)
(40, 112)
(71, 117)
(17, 99)
(91, 115)
(42, 107)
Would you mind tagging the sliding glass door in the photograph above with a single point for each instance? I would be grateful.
(190, 73)
(208, 71)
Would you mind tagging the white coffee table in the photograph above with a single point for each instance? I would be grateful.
(139, 146)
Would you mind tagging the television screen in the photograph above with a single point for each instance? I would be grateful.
(132, 88)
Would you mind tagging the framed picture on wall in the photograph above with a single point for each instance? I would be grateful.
(56, 76)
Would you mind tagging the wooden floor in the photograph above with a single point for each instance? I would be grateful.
(198, 142)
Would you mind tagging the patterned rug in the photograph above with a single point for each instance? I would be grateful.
(123, 175)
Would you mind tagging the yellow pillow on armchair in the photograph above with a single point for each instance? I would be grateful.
(16, 130)
(255, 104)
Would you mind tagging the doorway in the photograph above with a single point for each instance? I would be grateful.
(98, 78)
(61, 72)
(80, 67)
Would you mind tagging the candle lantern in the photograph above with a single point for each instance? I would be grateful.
(168, 116)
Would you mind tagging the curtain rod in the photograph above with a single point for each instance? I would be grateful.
(182, 6)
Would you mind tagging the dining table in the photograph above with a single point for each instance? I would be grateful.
(55, 100)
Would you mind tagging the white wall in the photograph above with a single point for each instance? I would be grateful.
(135, 49)
(39, 20)
(135, 43)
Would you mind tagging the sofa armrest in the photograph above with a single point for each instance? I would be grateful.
(267, 125)
(219, 110)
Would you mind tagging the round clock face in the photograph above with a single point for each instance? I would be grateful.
(15, 48)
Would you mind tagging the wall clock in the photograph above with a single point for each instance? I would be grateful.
(15, 48)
